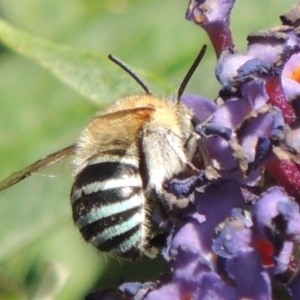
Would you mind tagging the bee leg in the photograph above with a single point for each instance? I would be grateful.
(155, 244)
(159, 240)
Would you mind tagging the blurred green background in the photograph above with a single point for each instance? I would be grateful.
(41, 252)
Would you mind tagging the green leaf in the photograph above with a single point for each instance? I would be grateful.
(52, 281)
(11, 290)
(91, 74)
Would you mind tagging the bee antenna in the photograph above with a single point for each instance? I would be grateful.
(123, 66)
(190, 72)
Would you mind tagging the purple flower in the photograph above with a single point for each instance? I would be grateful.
(238, 236)
(213, 16)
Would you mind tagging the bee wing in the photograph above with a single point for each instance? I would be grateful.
(138, 114)
(38, 165)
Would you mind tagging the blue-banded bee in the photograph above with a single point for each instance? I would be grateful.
(121, 160)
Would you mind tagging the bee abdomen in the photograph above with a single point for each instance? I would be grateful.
(109, 207)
